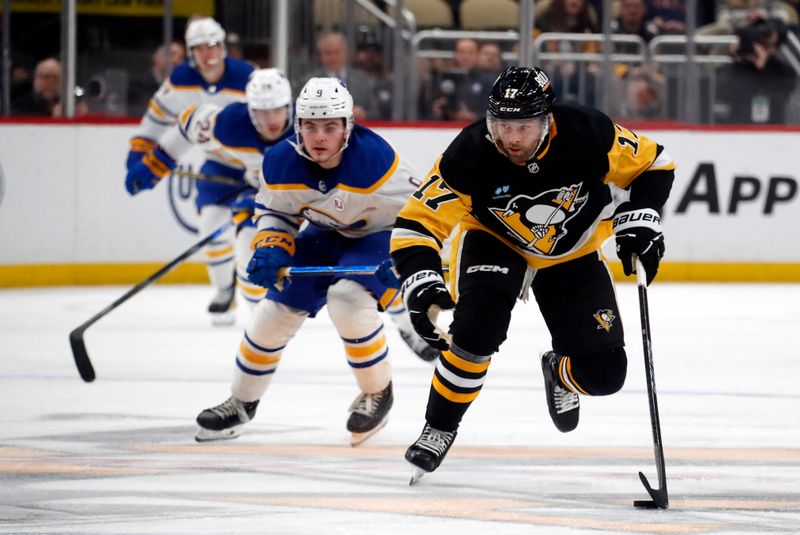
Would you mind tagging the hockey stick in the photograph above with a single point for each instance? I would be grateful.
(216, 179)
(660, 499)
(76, 341)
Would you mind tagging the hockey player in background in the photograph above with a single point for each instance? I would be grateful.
(348, 184)
(234, 139)
(530, 187)
(207, 77)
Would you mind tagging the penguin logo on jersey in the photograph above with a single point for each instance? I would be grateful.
(539, 222)
(605, 318)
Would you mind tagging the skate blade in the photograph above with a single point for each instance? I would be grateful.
(223, 319)
(208, 435)
(416, 476)
(358, 438)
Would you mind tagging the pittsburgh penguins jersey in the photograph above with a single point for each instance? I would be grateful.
(554, 208)
(187, 87)
(227, 136)
(360, 196)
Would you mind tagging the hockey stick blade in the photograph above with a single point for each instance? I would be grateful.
(660, 498)
(81, 356)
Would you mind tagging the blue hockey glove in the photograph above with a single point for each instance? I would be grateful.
(387, 274)
(245, 201)
(154, 166)
(423, 293)
(139, 147)
(273, 250)
(638, 232)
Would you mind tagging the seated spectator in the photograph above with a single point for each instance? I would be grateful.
(44, 99)
(733, 15)
(490, 58)
(333, 62)
(569, 16)
(669, 16)
(632, 21)
(640, 97)
(461, 91)
(757, 86)
(142, 88)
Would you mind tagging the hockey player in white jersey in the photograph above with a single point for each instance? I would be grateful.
(234, 139)
(207, 77)
(348, 184)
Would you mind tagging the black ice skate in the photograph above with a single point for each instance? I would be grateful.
(368, 414)
(225, 421)
(428, 452)
(562, 403)
(222, 307)
(420, 346)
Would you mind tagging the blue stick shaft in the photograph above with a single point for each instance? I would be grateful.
(329, 270)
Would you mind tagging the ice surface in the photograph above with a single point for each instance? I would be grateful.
(117, 456)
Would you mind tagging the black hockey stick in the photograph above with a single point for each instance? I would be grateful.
(660, 499)
(216, 179)
(76, 341)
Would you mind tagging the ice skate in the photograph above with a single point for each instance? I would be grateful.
(428, 452)
(368, 414)
(563, 404)
(225, 421)
(222, 307)
(420, 346)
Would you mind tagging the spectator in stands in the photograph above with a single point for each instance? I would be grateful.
(632, 21)
(669, 16)
(757, 86)
(369, 59)
(733, 15)
(570, 16)
(233, 44)
(142, 88)
(333, 62)
(490, 59)
(44, 99)
(461, 90)
(640, 96)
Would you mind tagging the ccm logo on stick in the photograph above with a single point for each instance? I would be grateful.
(488, 267)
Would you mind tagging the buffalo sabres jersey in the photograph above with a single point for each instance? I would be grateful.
(186, 87)
(360, 196)
(555, 207)
(226, 135)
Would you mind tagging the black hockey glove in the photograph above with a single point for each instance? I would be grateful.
(638, 232)
(424, 294)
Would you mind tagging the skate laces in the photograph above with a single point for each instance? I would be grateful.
(230, 407)
(565, 400)
(366, 404)
(434, 440)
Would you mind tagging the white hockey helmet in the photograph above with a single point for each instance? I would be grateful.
(324, 98)
(205, 31)
(268, 89)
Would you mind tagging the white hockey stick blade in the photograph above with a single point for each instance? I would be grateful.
(416, 476)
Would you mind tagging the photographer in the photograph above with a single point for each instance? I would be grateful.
(756, 87)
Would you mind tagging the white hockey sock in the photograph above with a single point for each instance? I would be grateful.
(354, 313)
(271, 328)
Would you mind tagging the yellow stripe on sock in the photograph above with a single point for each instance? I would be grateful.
(463, 364)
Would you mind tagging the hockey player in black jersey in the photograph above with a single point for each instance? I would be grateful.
(530, 191)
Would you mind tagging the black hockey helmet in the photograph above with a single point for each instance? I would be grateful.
(521, 93)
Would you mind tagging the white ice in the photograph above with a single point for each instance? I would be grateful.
(117, 456)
